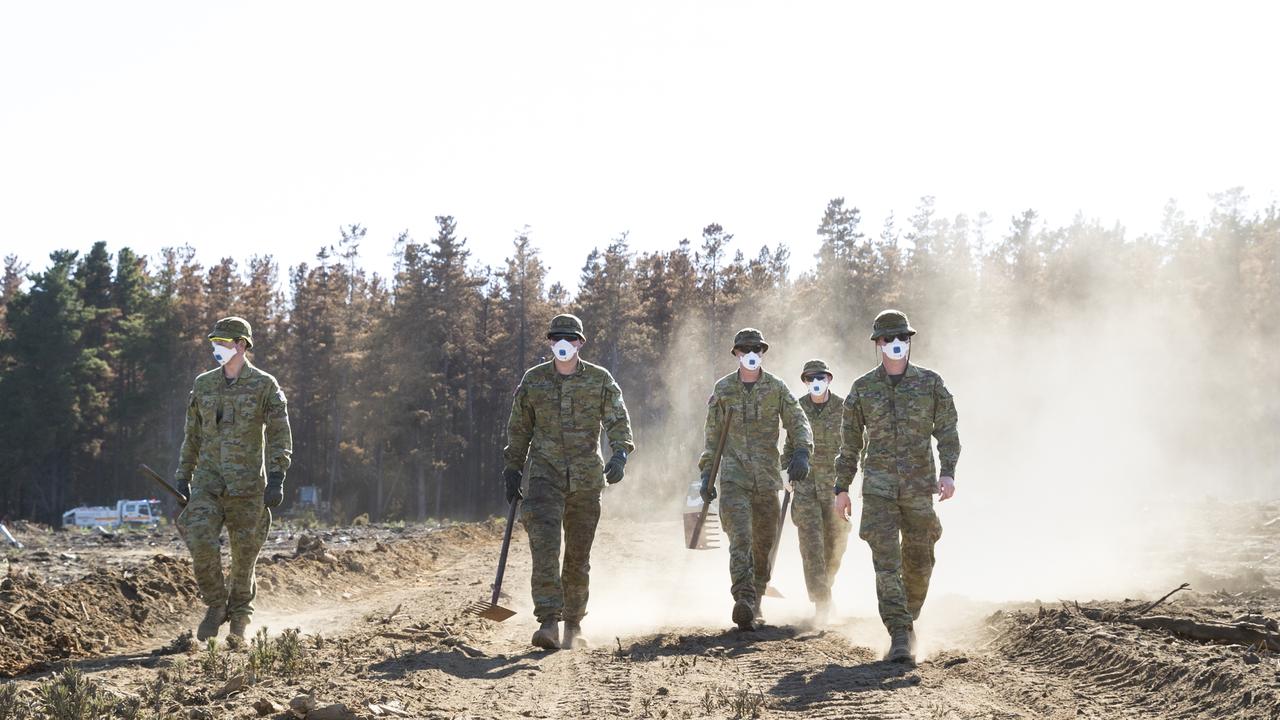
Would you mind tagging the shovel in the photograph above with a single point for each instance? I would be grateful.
(492, 610)
(772, 591)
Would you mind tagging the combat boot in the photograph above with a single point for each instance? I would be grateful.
(235, 635)
(744, 615)
(547, 636)
(573, 639)
(911, 641)
(900, 647)
(214, 616)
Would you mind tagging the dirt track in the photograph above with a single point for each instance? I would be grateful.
(656, 652)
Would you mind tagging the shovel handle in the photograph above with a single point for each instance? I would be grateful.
(777, 537)
(506, 545)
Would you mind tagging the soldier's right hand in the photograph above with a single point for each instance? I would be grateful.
(707, 491)
(844, 506)
(512, 480)
(184, 487)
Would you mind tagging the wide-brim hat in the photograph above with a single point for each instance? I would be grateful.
(566, 325)
(891, 322)
(814, 366)
(746, 337)
(233, 327)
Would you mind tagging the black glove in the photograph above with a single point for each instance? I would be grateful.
(799, 467)
(613, 468)
(512, 480)
(707, 491)
(274, 494)
(184, 487)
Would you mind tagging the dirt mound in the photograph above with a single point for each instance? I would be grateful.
(1153, 671)
(105, 610)
(113, 609)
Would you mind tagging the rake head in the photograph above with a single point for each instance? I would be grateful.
(771, 591)
(488, 611)
(709, 538)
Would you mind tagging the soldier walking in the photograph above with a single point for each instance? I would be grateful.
(897, 407)
(555, 423)
(237, 423)
(823, 534)
(749, 472)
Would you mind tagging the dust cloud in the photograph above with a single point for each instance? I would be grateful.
(1093, 438)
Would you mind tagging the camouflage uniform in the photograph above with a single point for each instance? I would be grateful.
(823, 535)
(222, 460)
(555, 422)
(750, 476)
(889, 429)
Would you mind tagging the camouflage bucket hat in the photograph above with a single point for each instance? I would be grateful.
(566, 325)
(814, 367)
(891, 322)
(234, 328)
(748, 337)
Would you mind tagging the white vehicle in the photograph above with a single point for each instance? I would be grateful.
(131, 512)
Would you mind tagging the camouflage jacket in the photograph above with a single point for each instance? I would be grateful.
(889, 428)
(824, 422)
(556, 420)
(222, 449)
(751, 451)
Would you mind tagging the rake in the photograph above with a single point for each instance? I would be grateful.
(491, 610)
(696, 525)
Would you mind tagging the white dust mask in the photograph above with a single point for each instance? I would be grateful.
(222, 354)
(750, 361)
(896, 349)
(564, 350)
(817, 387)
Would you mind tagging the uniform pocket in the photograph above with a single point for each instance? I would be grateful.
(247, 409)
(208, 408)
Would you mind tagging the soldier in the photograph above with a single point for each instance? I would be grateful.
(823, 534)
(749, 469)
(555, 422)
(898, 406)
(233, 408)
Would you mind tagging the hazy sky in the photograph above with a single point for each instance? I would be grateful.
(244, 128)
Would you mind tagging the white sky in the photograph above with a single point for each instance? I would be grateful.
(243, 128)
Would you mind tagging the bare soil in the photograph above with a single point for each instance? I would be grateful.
(383, 634)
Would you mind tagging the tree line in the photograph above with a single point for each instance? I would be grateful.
(399, 387)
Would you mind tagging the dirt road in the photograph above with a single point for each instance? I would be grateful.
(382, 634)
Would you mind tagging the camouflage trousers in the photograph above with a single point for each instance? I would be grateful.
(823, 535)
(750, 520)
(901, 533)
(247, 522)
(560, 593)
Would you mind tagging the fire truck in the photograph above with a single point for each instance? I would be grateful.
(126, 512)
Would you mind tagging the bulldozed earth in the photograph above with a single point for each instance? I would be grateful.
(367, 622)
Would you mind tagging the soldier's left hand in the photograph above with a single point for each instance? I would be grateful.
(274, 494)
(946, 487)
(613, 469)
(799, 467)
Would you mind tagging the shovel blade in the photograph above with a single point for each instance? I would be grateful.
(771, 591)
(489, 611)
